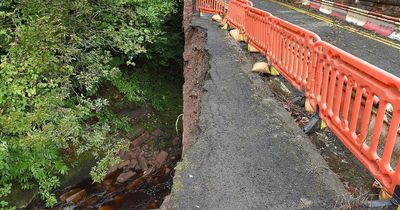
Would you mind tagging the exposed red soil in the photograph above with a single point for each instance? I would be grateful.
(195, 68)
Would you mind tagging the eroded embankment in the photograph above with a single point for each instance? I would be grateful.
(195, 70)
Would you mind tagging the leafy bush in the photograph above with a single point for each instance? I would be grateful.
(54, 55)
(155, 89)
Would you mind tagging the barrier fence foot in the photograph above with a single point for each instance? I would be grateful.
(313, 125)
(378, 204)
(251, 48)
(323, 125)
(225, 26)
(201, 14)
(274, 71)
(243, 37)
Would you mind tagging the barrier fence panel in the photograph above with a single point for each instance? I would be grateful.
(291, 51)
(345, 88)
(237, 12)
(257, 28)
(211, 6)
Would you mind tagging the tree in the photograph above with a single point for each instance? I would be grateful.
(54, 56)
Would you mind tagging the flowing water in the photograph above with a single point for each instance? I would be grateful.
(139, 192)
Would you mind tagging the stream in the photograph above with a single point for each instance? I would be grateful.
(144, 175)
(137, 193)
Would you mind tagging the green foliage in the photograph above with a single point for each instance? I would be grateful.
(54, 55)
(116, 123)
(161, 91)
(155, 88)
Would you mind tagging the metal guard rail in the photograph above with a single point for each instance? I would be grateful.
(347, 91)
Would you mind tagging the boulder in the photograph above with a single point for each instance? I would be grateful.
(75, 198)
(133, 164)
(139, 140)
(135, 184)
(142, 162)
(160, 158)
(125, 176)
(68, 194)
(123, 164)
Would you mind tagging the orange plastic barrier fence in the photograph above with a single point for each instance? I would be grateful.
(291, 51)
(211, 6)
(345, 88)
(236, 13)
(287, 46)
(353, 97)
(257, 29)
